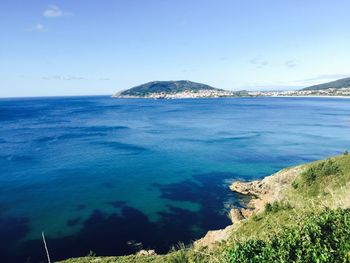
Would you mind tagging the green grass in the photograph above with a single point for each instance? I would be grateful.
(309, 223)
(322, 169)
(330, 189)
(322, 179)
(323, 237)
(277, 206)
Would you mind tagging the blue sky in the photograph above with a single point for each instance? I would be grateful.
(81, 47)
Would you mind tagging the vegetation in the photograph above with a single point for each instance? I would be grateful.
(321, 238)
(277, 206)
(338, 84)
(309, 223)
(322, 169)
(166, 87)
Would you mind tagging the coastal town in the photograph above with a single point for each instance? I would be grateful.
(185, 89)
(341, 92)
(190, 94)
(216, 93)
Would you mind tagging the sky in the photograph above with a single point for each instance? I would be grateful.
(88, 47)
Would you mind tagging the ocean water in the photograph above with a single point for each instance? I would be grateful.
(116, 175)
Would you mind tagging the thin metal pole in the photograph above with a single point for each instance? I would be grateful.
(47, 251)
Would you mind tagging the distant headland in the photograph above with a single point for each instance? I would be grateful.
(174, 90)
(182, 89)
(337, 88)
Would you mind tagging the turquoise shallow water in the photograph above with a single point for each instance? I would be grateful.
(103, 174)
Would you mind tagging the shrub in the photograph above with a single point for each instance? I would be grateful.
(268, 207)
(346, 153)
(295, 185)
(277, 206)
(321, 238)
(310, 175)
(256, 218)
(325, 168)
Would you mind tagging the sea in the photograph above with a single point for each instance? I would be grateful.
(112, 176)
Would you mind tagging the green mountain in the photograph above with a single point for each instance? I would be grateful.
(338, 84)
(164, 87)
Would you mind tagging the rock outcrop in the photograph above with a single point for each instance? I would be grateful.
(236, 215)
(214, 237)
(268, 190)
(271, 188)
(149, 252)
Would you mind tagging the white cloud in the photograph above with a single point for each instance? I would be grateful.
(38, 28)
(63, 77)
(73, 77)
(54, 11)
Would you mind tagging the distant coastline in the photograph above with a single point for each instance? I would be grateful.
(185, 89)
(311, 96)
(278, 96)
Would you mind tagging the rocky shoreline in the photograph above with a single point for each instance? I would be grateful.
(268, 190)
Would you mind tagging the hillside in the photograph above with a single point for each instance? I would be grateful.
(300, 214)
(338, 84)
(182, 88)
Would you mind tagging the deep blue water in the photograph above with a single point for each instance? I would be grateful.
(103, 174)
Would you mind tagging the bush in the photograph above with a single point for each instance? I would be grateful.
(268, 207)
(277, 206)
(310, 175)
(325, 168)
(322, 238)
(346, 153)
(256, 218)
(295, 185)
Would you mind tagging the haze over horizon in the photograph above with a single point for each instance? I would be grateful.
(51, 48)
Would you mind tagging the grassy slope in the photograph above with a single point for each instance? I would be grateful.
(323, 185)
(330, 191)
